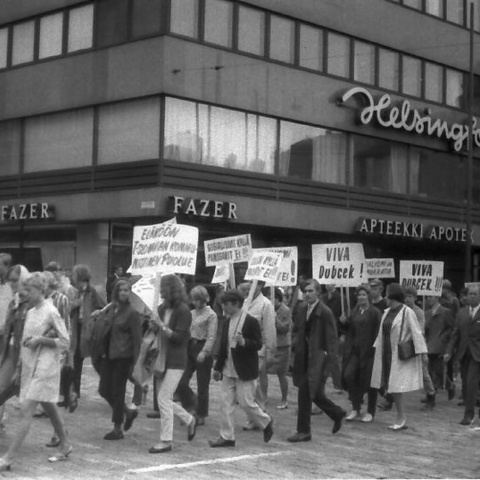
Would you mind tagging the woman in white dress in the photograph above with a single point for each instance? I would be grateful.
(44, 338)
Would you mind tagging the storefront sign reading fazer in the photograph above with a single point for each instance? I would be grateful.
(27, 211)
(202, 208)
(404, 117)
(393, 228)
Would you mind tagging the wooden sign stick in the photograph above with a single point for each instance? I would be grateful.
(342, 300)
(232, 276)
(347, 289)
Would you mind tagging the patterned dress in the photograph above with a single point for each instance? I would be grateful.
(41, 365)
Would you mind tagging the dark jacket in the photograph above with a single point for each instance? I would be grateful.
(438, 329)
(322, 347)
(14, 324)
(245, 358)
(177, 343)
(466, 334)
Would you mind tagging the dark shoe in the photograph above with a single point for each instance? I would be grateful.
(337, 425)
(61, 404)
(466, 421)
(114, 435)
(268, 431)
(221, 442)
(130, 416)
(461, 403)
(192, 429)
(424, 400)
(167, 448)
(430, 402)
(200, 421)
(386, 407)
(53, 443)
(300, 437)
(451, 391)
(153, 415)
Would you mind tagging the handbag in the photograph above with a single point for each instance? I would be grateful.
(406, 349)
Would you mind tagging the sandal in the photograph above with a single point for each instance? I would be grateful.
(61, 457)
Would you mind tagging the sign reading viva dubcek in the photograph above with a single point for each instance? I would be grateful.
(228, 250)
(165, 247)
(341, 264)
(425, 276)
(264, 266)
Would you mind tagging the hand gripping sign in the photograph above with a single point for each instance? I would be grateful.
(341, 264)
(425, 276)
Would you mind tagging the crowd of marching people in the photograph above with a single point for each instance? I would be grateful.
(385, 346)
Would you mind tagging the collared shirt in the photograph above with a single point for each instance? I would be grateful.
(229, 369)
(204, 327)
(474, 310)
(310, 308)
(262, 309)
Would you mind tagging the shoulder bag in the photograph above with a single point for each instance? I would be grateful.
(406, 348)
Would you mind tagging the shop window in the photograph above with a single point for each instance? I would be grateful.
(388, 69)
(412, 76)
(196, 133)
(312, 153)
(146, 17)
(3, 47)
(364, 63)
(435, 7)
(455, 11)
(111, 24)
(379, 164)
(338, 55)
(59, 141)
(51, 35)
(23, 38)
(80, 28)
(129, 131)
(282, 39)
(433, 82)
(251, 30)
(219, 22)
(455, 91)
(9, 147)
(184, 17)
(311, 47)
(436, 175)
(417, 4)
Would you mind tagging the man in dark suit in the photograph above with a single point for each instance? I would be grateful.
(465, 343)
(237, 367)
(315, 353)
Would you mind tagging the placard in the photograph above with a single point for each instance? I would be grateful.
(379, 268)
(288, 270)
(165, 247)
(425, 276)
(263, 266)
(221, 274)
(144, 289)
(341, 264)
(228, 250)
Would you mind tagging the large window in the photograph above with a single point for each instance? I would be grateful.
(112, 23)
(184, 17)
(364, 63)
(251, 30)
(10, 147)
(433, 82)
(80, 28)
(282, 39)
(455, 12)
(197, 133)
(219, 22)
(434, 7)
(146, 17)
(129, 131)
(388, 69)
(58, 141)
(311, 47)
(51, 35)
(412, 76)
(455, 88)
(338, 55)
(3, 47)
(23, 41)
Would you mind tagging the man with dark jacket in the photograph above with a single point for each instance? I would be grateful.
(237, 367)
(315, 352)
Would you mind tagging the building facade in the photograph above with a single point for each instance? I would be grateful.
(299, 122)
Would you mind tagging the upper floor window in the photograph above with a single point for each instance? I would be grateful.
(51, 35)
(23, 42)
(364, 63)
(80, 28)
(311, 47)
(338, 55)
(433, 82)
(251, 30)
(282, 39)
(184, 17)
(3, 47)
(412, 76)
(219, 22)
(388, 65)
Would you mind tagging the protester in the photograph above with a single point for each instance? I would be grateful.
(203, 331)
(283, 324)
(361, 329)
(117, 273)
(89, 301)
(40, 362)
(465, 344)
(315, 348)
(64, 286)
(238, 367)
(449, 299)
(390, 373)
(376, 297)
(173, 329)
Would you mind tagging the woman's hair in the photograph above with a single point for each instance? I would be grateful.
(278, 295)
(116, 288)
(37, 280)
(81, 273)
(200, 293)
(19, 270)
(396, 292)
(52, 282)
(174, 290)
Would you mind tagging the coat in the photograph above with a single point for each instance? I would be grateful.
(405, 375)
(322, 348)
(466, 334)
(438, 329)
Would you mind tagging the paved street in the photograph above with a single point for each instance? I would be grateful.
(434, 446)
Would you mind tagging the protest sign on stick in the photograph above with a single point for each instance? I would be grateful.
(221, 274)
(287, 272)
(228, 250)
(426, 276)
(264, 265)
(379, 268)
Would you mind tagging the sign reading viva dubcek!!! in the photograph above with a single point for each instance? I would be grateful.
(425, 276)
(341, 264)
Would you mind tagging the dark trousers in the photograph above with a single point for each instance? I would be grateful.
(137, 392)
(305, 405)
(436, 368)
(113, 383)
(357, 376)
(77, 362)
(66, 380)
(470, 372)
(188, 399)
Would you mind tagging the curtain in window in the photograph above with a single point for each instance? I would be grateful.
(398, 168)
(329, 157)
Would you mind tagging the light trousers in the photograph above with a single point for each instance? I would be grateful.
(261, 393)
(233, 390)
(166, 387)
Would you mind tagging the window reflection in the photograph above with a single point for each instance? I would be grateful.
(251, 30)
(433, 82)
(455, 88)
(218, 22)
(184, 17)
(23, 38)
(388, 69)
(3, 47)
(282, 38)
(364, 64)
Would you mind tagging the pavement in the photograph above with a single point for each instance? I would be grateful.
(433, 446)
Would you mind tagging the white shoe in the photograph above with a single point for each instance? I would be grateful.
(352, 416)
(367, 418)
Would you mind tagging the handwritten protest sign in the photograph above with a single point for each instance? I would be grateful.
(472, 284)
(264, 266)
(144, 289)
(425, 276)
(164, 247)
(228, 250)
(379, 268)
(221, 274)
(287, 272)
(341, 264)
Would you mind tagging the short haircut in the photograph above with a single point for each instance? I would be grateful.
(53, 267)
(200, 293)
(364, 287)
(316, 285)
(411, 290)
(232, 296)
(81, 273)
(51, 279)
(37, 280)
(6, 259)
